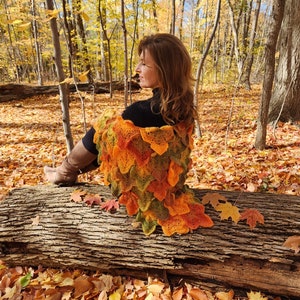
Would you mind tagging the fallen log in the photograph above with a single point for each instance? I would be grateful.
(75, 235)
(12, 91)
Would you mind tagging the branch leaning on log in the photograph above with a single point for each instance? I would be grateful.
(71, 234)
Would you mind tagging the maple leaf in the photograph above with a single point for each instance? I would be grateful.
(252, 216)
(110, 205)
(228, 211)
(256, 296)
(213, 199)
(293, 242)
(78, 195)
(225, 295)
(91, 199)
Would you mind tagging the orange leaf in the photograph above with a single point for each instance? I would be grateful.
(252, 216)
(228, 211)
(293, 242)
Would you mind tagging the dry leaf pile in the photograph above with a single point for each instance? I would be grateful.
(223, 159)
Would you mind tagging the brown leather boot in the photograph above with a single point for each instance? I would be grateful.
(80, 160)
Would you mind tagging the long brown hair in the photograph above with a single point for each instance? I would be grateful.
(174, 69)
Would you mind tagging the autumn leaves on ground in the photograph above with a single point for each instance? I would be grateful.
(223, 159)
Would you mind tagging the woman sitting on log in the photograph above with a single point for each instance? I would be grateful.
(144, 153)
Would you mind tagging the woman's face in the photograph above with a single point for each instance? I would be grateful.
(148, 77)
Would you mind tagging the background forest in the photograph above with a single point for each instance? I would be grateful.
(92, 37)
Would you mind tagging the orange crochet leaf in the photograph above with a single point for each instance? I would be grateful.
(173, 173)
(124, 158)
(158, 138)
(125, 131)
(173, 225)
(178, 205)
(196, 217)
(140, 150)
(129, 199)
(159, 189)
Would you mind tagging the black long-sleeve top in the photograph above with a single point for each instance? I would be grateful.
(143, 113)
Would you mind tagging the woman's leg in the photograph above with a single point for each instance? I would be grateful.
(82, 158)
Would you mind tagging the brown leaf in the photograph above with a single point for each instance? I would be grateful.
(252, 216)
(293, 242)
(213, 199)
(78, 195)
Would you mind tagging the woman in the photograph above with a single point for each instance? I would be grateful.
(145, 153)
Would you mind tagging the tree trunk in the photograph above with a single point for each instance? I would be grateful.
(285, 101)
(62, 86)
(41, 225)
(270, 50)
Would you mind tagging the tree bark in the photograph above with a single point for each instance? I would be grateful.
(285, 100)
(71, 234)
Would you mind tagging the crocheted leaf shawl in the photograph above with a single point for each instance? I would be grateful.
(146, 169)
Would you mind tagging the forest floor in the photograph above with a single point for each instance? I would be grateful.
(224, 158)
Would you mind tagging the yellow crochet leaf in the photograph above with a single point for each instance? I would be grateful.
(144, 200)
(129, 199)
(158, 138)
(173, 225)
(178, 205)
(174, 172)
(124, 159)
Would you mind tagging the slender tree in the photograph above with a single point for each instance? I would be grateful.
(63, 87)
(202, 60)
(270, 50)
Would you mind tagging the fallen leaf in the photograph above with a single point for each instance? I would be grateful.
(225, 295)
(228, 211)
(81, 285)
(110, 205)
(256, 296)
(91, 199)
(213, 199)
(293, 242)
(198, 294)
(78, 195)
(252, 216)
